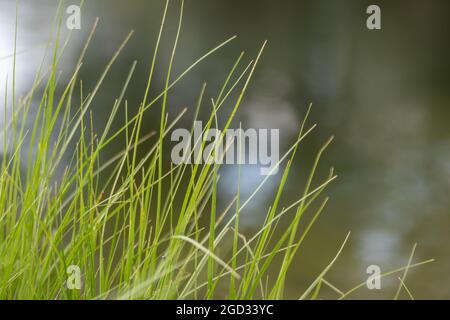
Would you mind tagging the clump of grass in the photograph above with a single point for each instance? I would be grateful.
(136, 233)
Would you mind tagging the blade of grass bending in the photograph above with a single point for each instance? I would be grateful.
(402, 281)
(406, 288)
(209, 253)
(325, 271)
(363, 284)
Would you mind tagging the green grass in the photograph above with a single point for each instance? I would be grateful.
(136, 232)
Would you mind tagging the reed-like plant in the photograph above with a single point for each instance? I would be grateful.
(136, 232)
